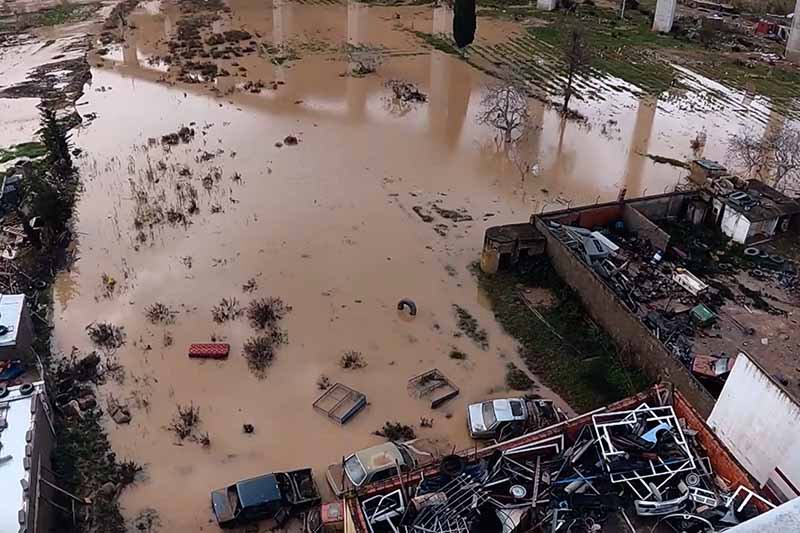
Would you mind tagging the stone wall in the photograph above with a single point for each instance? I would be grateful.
(625, 328)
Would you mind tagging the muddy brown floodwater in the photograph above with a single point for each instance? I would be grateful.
(328, 225)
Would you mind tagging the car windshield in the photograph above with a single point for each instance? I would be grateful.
(233, 501)
(354, 470)
(489, 418)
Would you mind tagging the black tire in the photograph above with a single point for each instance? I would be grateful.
(751, 251)
(3, 391)
(407, 302)
(26, 389)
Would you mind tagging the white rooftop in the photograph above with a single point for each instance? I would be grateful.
(15, 421)
(10, 313)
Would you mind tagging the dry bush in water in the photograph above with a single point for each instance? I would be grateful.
(395, 431)
(266, 312)
(159, 313)
(505, 107)
(227, 309)
(259, 350)
(106, 335)
(772, 155)
(185, 420)
(352, 360)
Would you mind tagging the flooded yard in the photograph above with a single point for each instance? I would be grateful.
(332, 223)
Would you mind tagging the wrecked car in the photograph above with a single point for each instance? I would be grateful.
(506, 418)
(379, 463)
(275, 497)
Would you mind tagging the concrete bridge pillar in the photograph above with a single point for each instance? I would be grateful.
(665, 14)
(546, 5)
(793, 42)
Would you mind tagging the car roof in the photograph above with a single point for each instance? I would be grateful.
(257, 490)
(380, 457)
(502, 409)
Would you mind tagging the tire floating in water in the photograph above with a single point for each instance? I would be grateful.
(406, 302)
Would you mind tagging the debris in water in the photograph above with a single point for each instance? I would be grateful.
(248, 428)
(396, 431)
(422, 213)
(458, 355)
(405, 91)
(106, 335)
(109, 285)
(459, 215)
(185, 134)
(290, 140)
(323, 383)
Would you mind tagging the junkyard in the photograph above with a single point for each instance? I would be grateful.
(399, 266)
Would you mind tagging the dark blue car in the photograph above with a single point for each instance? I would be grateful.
(275, 497)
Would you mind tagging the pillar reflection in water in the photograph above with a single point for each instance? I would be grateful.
(281, 28)
(640, 143)
(357, 24)
(450, 85)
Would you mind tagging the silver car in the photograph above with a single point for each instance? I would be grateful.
(488, 419)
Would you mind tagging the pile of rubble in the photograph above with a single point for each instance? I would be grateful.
(624, 470)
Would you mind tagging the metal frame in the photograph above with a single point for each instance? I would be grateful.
(603, 421)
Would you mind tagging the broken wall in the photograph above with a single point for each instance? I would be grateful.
(635, 221)
(625, 328)
(760, 423)
(662, 207)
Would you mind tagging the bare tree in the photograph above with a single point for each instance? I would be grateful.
(773, 156)
(505, 107)
(576, 56)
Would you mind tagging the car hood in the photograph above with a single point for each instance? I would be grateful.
(222, 509)
(476, 417)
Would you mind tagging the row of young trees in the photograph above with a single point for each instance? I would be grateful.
(49, 192)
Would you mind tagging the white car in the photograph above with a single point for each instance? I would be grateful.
(505, 418)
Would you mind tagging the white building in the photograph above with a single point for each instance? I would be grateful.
(26, 440)
(16, 328)
(754, 214)
(758, 418)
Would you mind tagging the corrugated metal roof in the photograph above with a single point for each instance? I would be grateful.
(16, 410)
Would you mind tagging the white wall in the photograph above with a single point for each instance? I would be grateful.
(793, 43)
(760, 424)
(664, 15)
(734, 225)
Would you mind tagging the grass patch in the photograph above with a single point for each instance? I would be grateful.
(517, 379)
(585, 367)
(469, 327)
(439, 42)
(30, 149)
(60, 14)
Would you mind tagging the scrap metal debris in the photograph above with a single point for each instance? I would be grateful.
(620, 471)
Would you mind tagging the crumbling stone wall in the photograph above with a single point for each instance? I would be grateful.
(625, 328)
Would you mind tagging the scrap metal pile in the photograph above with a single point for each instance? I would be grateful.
(636, 470)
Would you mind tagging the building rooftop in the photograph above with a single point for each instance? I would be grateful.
(11, 306)
(16, 419)
(752, 302)
(759, 202)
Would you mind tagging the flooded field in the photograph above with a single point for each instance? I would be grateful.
(331, 224)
